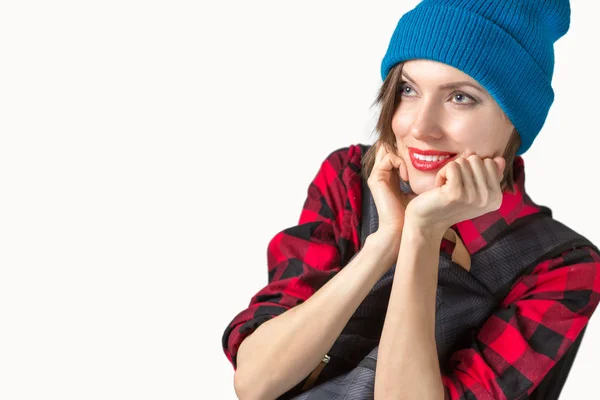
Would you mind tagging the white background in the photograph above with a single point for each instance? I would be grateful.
(150, 150)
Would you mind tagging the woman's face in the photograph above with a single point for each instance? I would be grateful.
(440, 113)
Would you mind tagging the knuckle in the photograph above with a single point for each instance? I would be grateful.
(454, 196)
(471, 196)
(485, 199)
(454, 166)
(498, 201)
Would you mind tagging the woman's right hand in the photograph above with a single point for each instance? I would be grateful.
(384, 183)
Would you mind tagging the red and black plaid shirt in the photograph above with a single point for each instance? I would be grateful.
(558, 297)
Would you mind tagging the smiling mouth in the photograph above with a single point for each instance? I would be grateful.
(429, 162)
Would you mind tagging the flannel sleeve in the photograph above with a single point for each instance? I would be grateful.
(302, 258)
(532, 329)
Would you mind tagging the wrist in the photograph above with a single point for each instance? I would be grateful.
(385, 243)
(421, 230)
(386, 238)
(390, 233)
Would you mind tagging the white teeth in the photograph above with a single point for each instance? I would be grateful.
(430, 158)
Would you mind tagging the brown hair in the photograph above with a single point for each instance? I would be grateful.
(389, 98)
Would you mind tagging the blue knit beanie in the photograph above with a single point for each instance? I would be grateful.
(505, 45)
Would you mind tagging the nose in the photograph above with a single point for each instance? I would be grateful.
(426, 124)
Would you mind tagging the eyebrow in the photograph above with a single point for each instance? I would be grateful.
(449, 85)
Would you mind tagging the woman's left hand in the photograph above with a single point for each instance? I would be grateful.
(465, 188)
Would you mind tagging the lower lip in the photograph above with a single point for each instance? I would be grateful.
(422, 165)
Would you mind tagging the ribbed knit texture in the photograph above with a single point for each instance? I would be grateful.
(506, 45)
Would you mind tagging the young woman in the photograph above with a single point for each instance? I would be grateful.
(466, 89)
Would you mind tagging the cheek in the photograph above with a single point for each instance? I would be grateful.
(401, 124)
(485, 141)
(473, 133)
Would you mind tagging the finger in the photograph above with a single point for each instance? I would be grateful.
(449, 175)
(390, 160)
(495, 170)
(399, 163)
(501, 163)
(454, 178)
(480, 174)
(467, 172)
(468, 182)
(491, 171)
(441, 177)
(381, 151)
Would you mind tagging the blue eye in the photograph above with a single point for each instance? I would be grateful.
(473, 101)
(403, 88)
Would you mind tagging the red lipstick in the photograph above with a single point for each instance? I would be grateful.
(423, 165)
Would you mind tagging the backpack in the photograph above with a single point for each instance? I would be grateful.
(464, 300)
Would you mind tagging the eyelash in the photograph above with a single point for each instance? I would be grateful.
(473, 100)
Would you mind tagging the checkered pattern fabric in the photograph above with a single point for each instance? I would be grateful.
(542, 314)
